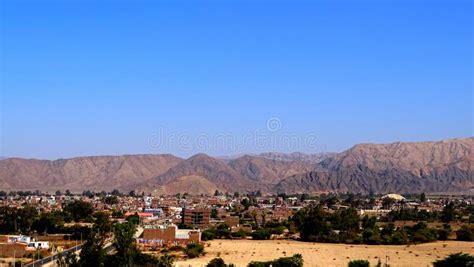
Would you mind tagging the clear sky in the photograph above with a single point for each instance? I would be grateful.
(119, 77)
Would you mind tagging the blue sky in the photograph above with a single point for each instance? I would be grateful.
(110, 77)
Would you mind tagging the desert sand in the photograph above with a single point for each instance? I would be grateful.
(241, 252)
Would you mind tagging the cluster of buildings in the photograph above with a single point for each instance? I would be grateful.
(177, 220)
(20, 245)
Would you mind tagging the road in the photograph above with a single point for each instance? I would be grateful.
(53, 258)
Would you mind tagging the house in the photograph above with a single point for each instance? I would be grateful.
(169, 235)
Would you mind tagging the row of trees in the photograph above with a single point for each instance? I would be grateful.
(345, 226)
(27, 219)
(223, 231)
(457, 259)
(453, 260)
(293, 261)
(450, 212)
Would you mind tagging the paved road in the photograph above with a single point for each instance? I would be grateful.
(53, 257)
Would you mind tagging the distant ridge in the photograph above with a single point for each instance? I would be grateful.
(442, 166)
(82, 173)
(311, 158)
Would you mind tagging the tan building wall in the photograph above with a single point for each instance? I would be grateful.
(197, 217)
(168, 237)
(12, 250)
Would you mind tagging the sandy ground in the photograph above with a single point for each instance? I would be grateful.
(241, 252)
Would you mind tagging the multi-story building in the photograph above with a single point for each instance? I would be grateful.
(199, 218)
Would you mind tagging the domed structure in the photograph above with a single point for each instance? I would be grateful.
(396, 197)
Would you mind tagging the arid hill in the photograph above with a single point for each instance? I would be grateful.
(267, 171)
(444, 166)
(297, 156)
(83, 173)
(206, 171)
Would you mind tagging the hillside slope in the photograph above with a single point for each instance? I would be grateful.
(445, 166)
(83, 173)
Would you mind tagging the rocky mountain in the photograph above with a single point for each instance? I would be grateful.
(83, 173)
(297, 156)
(268, 171)
(445, 166)
(278, 156)
(202, 173)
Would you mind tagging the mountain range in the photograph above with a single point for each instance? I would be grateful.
(403, 167)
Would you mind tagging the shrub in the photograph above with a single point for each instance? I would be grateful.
(466, 233)
(262, 234)
(359, 263)
(217, 262)
(421, 233)
(458, 260)
(176, 248)
(209, 234)
(371, 236)
(240, 234)
(277, 230)
(194, 250)
(294, 261)
(399, 238)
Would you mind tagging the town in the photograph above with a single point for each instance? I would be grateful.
(97, 228)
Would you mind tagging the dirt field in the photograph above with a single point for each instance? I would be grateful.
(241, 252)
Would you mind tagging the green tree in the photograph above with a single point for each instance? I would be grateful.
(165, 261)
(194, 250)
(102, 224)
(261, 234)
(359, 263)
(444, 233)
(92, 252)
(293, 261)
(124, 243)
(134, 219)
(246, 203)
(214, 213)
(68, 260)
(217, 262)
(50, 223)
(111, 200)
(423, 197)
(457, 260)
(448, 212)
(466, 233)
(313, 224)
(79, 210)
